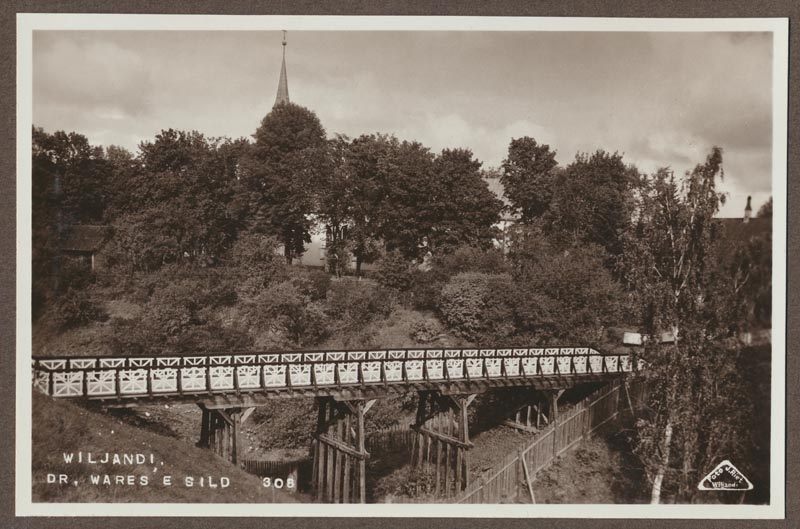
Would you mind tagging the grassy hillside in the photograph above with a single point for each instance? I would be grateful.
(61, 427)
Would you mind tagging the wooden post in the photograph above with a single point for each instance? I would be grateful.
(321, 450)
(448, 426)
(337, 464)
(628, 396)
(236, 452)
(437, 428)
(347, 462)
(362, 462)
(464, 438)
(331, 455)
(204, 427)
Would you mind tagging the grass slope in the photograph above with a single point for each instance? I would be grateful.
(61, 427)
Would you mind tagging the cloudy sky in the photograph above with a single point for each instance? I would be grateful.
(661, 99)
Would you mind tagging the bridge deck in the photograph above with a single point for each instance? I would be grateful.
(341, 374)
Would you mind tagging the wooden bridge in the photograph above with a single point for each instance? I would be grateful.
(345, 385)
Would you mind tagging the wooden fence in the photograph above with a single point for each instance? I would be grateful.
(274, 469)
(515, 474)
(393, 438)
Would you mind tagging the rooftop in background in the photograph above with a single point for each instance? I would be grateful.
(85, 238)
(736, 232)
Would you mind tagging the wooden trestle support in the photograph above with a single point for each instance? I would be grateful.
(441, 446)
(536, 410)
(221, 429)
(339, 469)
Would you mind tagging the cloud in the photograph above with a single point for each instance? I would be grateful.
(662, 99)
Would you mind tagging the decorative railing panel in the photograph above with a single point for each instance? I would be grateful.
(177, 375)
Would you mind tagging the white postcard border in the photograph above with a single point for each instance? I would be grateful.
(27, 23)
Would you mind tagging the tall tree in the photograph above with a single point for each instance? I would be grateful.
(528, 173)
(464, 210)
(282, 173)
(692, 380)
(406, 186)
(592, 201)
(179, 205)
(69, 186)
(765, 211)
(353, 195)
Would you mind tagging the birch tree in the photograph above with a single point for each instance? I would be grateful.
(668, 262)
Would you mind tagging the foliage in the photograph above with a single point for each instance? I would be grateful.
(476, 306)
(395, 272)
(75, 308)
(592, 201)
(256, 262)
(668, 263)
(74, 274)
(311, 283)
(283, 308)
(464, 211)
(425, 330)
(765, 211)
(178, 202)
(471, 259)
(68, 187)
(743, 285)
(282, 173)
(567, 295)
(528, 177)
(406, 181)
(425, 289)
(353, 303)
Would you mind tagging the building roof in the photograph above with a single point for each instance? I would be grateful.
(735, 232)
(85, 238)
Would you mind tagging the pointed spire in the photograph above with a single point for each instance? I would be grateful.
(283, 84)
(748, 210)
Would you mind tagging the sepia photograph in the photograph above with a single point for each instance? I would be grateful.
(429, 264)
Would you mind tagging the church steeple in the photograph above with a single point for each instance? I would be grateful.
(283, 85)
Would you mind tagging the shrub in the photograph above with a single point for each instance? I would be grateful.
(284, 308)
(394, 271)
(75, 308)
(469, 259)
(476, 306)
(569, 295)
(257, 262)
(424, 331)
(425, 290)
(353, 303)
(74, 274)
(311, 282)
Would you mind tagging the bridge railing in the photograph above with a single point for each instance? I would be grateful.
(136, 376)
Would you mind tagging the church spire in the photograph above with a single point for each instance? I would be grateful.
(283, 85)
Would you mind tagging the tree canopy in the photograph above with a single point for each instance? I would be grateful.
(528, 177)
(282, 171)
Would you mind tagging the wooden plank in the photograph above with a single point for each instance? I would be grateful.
(437, 426)
(465, 437)
(362, 463)
(235, 441)
(204, 428)
(337, 463)
(447, 431)
(347, 462)
(331, 454)
(443, 437)
(459, 485)
(519, 426)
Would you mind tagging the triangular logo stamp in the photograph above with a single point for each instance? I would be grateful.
(725, 476)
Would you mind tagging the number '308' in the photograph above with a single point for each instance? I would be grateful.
(278, 483)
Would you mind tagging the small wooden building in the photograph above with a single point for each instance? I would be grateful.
(84, 243)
